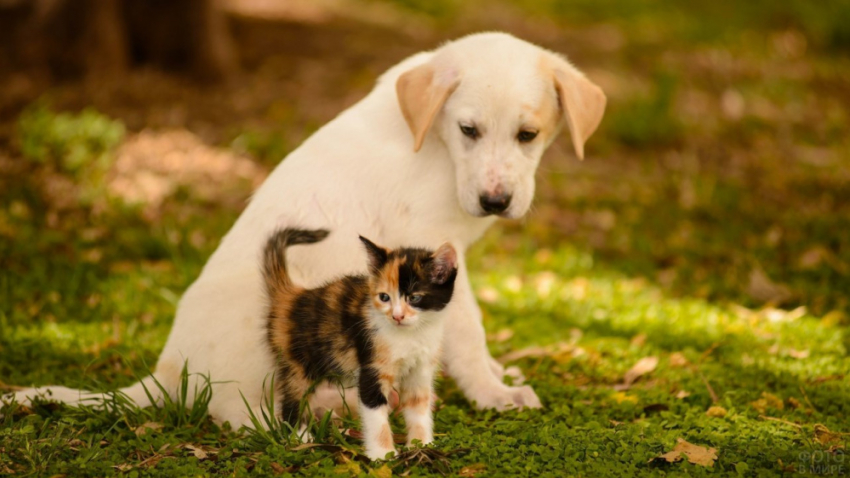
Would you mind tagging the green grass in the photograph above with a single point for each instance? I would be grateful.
(646, 249)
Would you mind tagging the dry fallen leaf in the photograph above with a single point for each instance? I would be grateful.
(488, 295)
(641, 368)
(544, 282)
(200, 452)
(826, 437)
(678, 359)
(502, 335)
(762, 289)
(833, 318)
(147, 427)
(775, 315)
(683, 394)
(621, 397)
(560, 352)
(472, 470)
(382, 472)
(697, 455)
(812, 258)
(513, 283)
(767, 400)
(535, 351)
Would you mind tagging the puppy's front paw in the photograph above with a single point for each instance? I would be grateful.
(500, 372)
(506, 398)
(516, 375)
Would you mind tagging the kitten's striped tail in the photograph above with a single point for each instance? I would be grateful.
(274, 258)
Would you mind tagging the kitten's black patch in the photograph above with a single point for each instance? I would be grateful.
(369, 387)
(274, 263)
(289, 404)
(415, 276)
(377, 255)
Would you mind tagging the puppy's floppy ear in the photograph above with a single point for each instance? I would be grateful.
(377, 254)
(445, 264)
(421, 93)
(582, 102)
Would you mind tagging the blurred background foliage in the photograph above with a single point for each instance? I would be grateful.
(720, 169)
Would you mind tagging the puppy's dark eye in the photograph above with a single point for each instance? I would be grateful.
(384, 297)
(414, 299)
(469, 131)
(526, 136)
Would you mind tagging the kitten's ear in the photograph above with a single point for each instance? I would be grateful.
(445, 264)
(377, 254)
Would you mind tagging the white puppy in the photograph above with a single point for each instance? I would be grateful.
(481, 111)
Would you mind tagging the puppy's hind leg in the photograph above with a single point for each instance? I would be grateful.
(144, 393)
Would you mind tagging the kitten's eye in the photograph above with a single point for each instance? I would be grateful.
(526, 136)
(414, 299)
(469, 131)
(383, 297)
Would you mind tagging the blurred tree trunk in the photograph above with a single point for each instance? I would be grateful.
(95, 37)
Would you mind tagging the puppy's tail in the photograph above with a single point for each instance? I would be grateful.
(274, 259)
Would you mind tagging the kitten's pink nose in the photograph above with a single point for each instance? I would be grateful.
(398, 318)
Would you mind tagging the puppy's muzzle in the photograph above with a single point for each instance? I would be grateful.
(494, 203)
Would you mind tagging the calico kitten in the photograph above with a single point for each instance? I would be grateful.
(379, 331)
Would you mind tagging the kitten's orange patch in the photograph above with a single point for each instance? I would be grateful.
(333, 295)
(383, 354)
(283, 300)
(348, 360)
(407, 310)
(389, 276)
(416, 432)
(279, 333)
(415, 401)
(385, 437)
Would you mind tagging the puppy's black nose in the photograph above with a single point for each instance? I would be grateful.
(494, 203)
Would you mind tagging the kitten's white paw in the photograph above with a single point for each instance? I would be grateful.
(379, 453)
(304, 435)
(422, 441)
(506, 398)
